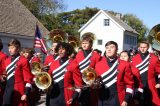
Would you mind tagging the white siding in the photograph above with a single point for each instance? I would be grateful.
(106, 33)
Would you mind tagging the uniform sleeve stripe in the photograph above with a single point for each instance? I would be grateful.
(159, 76)
(78, 90)
(28, 85)
(129, 90)
(140, 90)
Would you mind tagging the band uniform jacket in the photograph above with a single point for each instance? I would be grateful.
(57, 71)
(72, 79)
(153, 68)
(138, 86)
(22, 80)
(3, 56)
(50, 58)
(35, 59)
(116, 80)
(85, 60)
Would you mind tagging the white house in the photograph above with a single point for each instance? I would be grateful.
(105, 27)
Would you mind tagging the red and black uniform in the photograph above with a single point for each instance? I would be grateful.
(117, 82)
(3, 56)
(50, 58)
(35, 59)
(35, 93)
(57, 71)
(87, 59)
(19, 80)
(72, 79)
(147, 65)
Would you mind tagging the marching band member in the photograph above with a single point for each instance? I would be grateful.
(19, 77)
(87, 58)
(147, 64)
(72, 79)
(35, 94)
(138, 86)
(29, 54)
(53, 56)
(57, 71)
(116, 78)
(3, 56)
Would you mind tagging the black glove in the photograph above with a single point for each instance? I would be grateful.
(75, 95)
(128, 97)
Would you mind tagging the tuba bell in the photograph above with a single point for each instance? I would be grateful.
(35, 68)
(43, 80)
(89, 76)
(55, 36)
(154, 35)
(73, 41)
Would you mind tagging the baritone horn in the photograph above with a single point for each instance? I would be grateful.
(36, 67)
(55, 36)
(42, 79)
(89, 76)
(73, 41)
(154, 35)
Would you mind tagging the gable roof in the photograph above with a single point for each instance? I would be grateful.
(16, 19)
(117, 21)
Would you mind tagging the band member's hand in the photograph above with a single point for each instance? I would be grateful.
(136, 101)
(70, 101)
(157, 86)
(3, 79)
(124, 103)
(24, 97)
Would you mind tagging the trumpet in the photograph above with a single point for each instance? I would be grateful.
(42, 79)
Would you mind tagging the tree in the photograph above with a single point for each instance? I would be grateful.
(71, 21)
(45, 11)
(136, 24)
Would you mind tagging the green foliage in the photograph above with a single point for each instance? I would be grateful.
(73, 20)
(137, 25)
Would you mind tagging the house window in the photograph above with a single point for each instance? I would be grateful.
(131, 40)
(106, 22)
(99, 42)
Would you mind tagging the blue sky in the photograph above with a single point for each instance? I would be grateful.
(146, 10)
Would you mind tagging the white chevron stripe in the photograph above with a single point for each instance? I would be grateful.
(10, 69)
(60, 67)
(143, 66)
(84, 64)
(12, 62)
(110, 76)
(59, 73)
(59, 79)
(143, 61)
(10, 75)
(111, 82)
(104, 74)
(144, 70)
(85, 58)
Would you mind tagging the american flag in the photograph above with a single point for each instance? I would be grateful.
(38, 42)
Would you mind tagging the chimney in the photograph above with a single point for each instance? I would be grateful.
(119, 16)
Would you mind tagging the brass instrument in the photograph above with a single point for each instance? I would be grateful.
(73, 41)
(89, 76)
(154, 35)
(42, 79)
(55, 36)
(36, 68)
